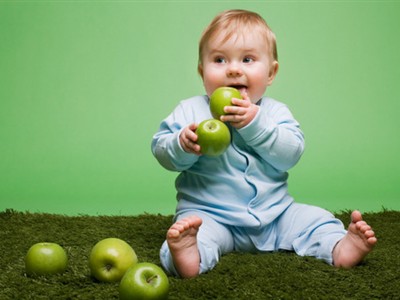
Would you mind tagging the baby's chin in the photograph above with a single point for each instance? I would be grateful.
(253, 98)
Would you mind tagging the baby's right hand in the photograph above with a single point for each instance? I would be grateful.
(188, 139)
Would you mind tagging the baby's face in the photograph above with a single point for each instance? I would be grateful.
(243, 62)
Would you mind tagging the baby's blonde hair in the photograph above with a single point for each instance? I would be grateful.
(237, 21)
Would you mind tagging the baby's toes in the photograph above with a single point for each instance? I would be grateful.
(361, 224)
(173, 233)
(178, 226)
(183, 224)
(369, 233)
(365, 228)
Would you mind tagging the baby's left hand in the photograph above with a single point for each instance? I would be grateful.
(241, 113)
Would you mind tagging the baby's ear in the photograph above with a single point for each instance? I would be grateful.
(272, 72)
(200, 70)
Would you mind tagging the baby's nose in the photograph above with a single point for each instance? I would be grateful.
(234, 70)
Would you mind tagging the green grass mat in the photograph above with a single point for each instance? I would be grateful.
(280, 275)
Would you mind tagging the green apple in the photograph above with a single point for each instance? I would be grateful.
(144, 281)
(213, 136)
(45, 259)
(110, 259)
(220, 98)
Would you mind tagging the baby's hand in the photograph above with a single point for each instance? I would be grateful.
(241, 113)
(188, 139)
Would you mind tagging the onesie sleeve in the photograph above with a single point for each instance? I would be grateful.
(165, 145)
(275, 135)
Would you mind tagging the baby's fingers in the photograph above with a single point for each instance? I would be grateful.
(235, 110)
(191, 136)
(241, 102)
(188, 139)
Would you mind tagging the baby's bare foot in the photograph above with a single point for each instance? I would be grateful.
(356, 244)
(182, 243)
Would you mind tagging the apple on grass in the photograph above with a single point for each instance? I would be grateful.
(45, 259)
(213, 136)
(222, 97)
(144, 281)
(110, 258)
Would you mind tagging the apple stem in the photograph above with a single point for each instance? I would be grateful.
(150, 279)
(108, 267)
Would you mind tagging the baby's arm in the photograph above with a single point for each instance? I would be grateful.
(171, 142)
(275, 135)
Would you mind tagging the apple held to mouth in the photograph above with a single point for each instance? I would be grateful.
(213, 136)
(45, 259)
(144, 281)
(110, 259)
(220, 98)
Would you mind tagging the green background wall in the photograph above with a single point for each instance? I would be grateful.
(84, 86)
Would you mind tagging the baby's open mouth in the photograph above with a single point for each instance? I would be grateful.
(241, 88)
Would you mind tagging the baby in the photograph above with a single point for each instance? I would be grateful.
(239, 201)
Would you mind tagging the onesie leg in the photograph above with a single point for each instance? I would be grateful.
(309, 231)
(213, 240)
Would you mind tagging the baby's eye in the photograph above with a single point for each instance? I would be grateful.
(220, 60)
(248, 60)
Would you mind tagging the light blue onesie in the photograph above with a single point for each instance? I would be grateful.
(242, 195)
